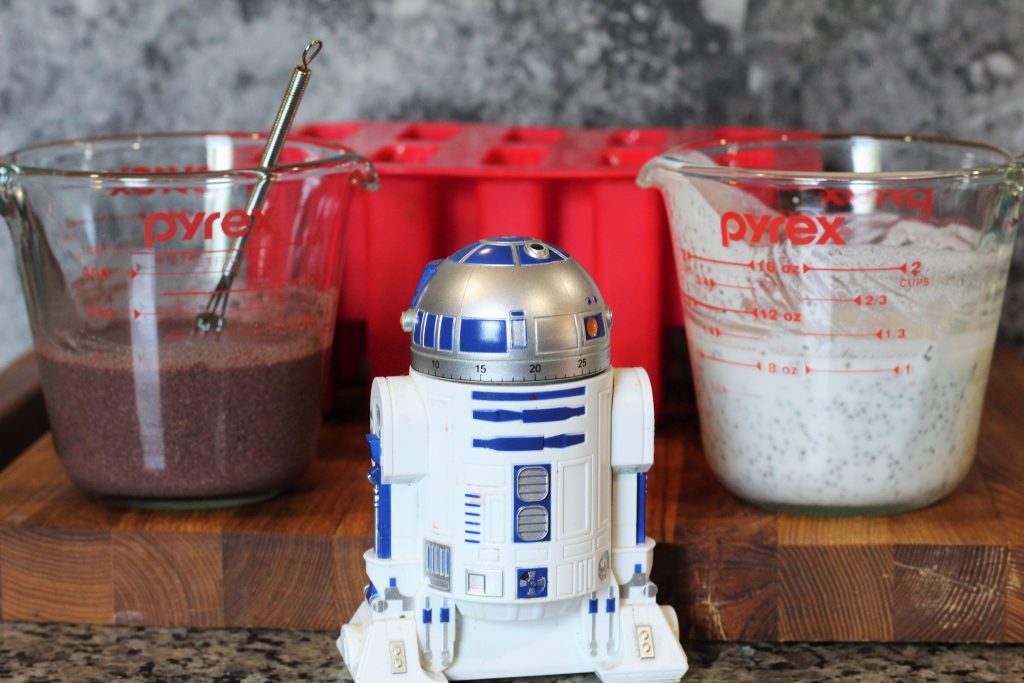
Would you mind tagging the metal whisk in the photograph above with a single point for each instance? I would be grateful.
(212, 318)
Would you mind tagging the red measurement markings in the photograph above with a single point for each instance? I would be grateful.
(860, 300)
(713, 307)
(187, 252)
(782, 369)
(892, 333)
(725, 361)
(98, 273)
(865, 371)
(775, 315)
(718, 332)
(99, 312)
(711, 283)
(303, 323)
(690, 256)
(136, 313)
(913, 268)
(137, 271)
(773, 267)
(238, 290)
(840, 334)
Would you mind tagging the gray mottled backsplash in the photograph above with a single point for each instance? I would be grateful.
(85, 67)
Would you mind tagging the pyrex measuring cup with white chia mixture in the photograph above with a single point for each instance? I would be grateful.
(121, 242)
(842, 295)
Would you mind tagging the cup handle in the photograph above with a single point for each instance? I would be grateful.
(6, 190)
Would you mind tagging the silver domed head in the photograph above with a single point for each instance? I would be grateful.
(508, 310)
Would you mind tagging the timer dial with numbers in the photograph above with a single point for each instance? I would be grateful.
(508, 310)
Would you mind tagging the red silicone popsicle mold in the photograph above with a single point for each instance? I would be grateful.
(444, 185)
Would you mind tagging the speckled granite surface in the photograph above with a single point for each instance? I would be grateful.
(71, 68)
(34, 652)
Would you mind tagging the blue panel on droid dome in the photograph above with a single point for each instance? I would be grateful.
(428, 330)
(483, 336)
(447, 337)
(491, 255)
(498, 251)
(418, 331)
(428, 272)
(465, 251)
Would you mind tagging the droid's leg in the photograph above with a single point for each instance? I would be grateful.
(645, 635)
(381, 643)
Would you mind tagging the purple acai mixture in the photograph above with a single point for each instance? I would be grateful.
(195, 418)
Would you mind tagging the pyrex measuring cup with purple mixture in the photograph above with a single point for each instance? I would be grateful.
(120, 243)
(842, 296)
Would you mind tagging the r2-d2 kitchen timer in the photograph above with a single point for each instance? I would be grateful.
(509, 471)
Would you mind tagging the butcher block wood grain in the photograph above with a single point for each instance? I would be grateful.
(952, 572)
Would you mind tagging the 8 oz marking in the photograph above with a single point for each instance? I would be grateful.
(789, 370)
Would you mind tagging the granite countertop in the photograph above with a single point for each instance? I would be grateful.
(46, 652)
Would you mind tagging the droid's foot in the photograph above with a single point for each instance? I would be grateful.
(383, 650)
(649, 650)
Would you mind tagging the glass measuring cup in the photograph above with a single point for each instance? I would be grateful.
(842, 295)
(120, 243)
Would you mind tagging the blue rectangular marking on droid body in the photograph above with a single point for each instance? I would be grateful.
(531, 503)
(529, 443)
(530, 415)
(528, 395)
(641, 508)
(532, 582)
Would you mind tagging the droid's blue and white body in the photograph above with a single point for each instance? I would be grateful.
(509, 469)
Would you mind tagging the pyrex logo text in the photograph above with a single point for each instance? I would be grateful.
(162, 226)
(799, 228)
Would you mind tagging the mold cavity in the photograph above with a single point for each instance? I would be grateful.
(405, 153)
(516, 155)
(437, 132)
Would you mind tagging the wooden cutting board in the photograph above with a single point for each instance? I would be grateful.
(952, 572)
